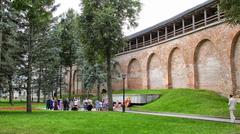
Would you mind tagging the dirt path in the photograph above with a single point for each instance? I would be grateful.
(16, 108)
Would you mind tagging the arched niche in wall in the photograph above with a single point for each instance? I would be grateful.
(208, 73)
(117, 77)
(77, 84)
(154, 72)
(177, 71)
(74, 86)
(134, 77)
(235, 64)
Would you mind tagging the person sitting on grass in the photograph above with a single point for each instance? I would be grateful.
(89, 106)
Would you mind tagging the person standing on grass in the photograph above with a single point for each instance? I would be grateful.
(97, 105)
(232, 107)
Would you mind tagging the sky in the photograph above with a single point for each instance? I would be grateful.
(153, 11)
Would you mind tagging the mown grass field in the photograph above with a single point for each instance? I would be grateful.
(187, 101)
(60, 122)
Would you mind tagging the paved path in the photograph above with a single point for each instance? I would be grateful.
(188, 116)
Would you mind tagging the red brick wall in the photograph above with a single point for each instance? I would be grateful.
(236, 65)
(154, 67)
(204, 59)
(134, 75)
(177, 69)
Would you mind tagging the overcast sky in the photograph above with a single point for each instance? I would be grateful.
(153, 11)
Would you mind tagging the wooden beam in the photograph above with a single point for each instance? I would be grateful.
(136, 42)
(183, 25)
(218, 12)
(129, 46)
(143, 40)
(150, 38)
(193, 21)
(174, 29)
(166, 33)
(205, 17)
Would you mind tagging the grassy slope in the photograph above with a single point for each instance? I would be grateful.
(51, 122)
(186, 101)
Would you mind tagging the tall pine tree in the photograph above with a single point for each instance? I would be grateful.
(36, 17)
(101, 29)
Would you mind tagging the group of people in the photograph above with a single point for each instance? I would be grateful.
(65, 104)
(117, 105)
(75, 104)
(87, 105)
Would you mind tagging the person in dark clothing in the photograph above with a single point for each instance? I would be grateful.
(56, 104)
(51, 104)
(74, 108)
(65, 104)
(89, 107)
(48, 103)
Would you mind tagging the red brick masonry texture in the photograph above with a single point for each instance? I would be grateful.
(206, 59)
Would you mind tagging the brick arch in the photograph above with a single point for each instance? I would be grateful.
(235, 63)
(177, 71)
(134, 75)
(117, 77)
(207, 66)
(155, 75)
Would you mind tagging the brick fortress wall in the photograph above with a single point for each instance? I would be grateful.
(208, 58)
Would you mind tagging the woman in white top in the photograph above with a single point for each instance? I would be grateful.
(232, 107)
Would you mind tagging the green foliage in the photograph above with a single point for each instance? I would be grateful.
(101, 24)
(107, 123)
(68, 38)
(35, 17)
(92, 75)
(231, 9)
(11, 54)
(101, 33)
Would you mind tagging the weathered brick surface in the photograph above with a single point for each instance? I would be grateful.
(208, 67)
(135, 72)
(177, 69)
(236, 66)
(203, 59)
(154, 67)
(76, 85)
(117, 83)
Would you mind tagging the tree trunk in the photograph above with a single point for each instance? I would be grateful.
(29, 69)
(44, 95)
(39, 84)
(1, 42)
(70, 82)
(29, 103)
(60, 82)
(29, 92)
(109, 79)
(98, 90)
(56, 88)
(10, 90)
(88, 93)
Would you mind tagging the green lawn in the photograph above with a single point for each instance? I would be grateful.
(186, 101)
(52, 122)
